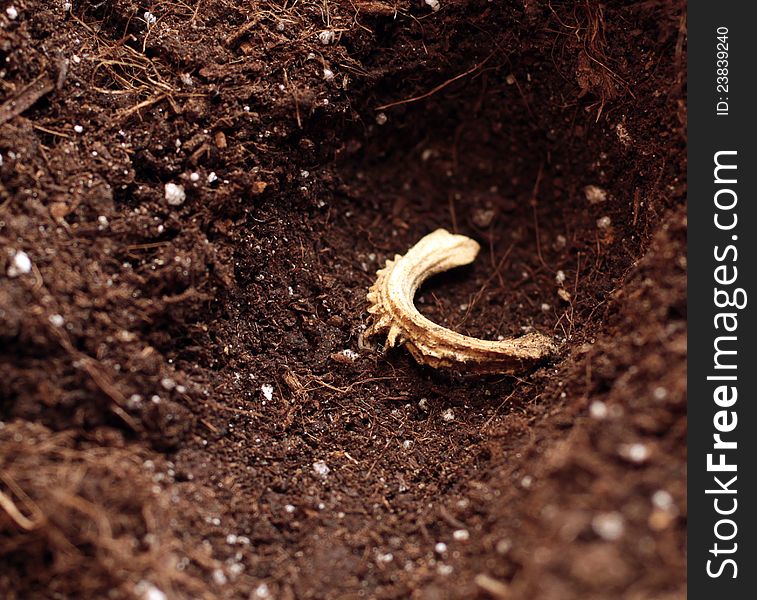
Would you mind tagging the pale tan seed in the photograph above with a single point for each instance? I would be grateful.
(394, 314)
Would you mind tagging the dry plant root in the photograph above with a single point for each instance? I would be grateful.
(393, 314)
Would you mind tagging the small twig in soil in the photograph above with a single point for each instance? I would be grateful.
(10, 508)
(452, 212)
(294, 96)
(37, 89)
(534, 202)
(445, 514)
(438, 88)
(496, 410)
(137, 107)
(494, 587)
(235, 36)
(51, 131)
(349, 387)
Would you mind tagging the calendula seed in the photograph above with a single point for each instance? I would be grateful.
(394, 315)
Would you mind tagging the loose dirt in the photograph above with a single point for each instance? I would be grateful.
(181, 411)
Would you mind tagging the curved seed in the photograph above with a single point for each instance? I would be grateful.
(393, 313)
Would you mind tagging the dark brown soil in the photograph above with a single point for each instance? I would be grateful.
(139, 455)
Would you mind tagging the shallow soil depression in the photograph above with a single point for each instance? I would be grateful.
(194, 200)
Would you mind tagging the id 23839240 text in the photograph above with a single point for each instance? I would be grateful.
(721, 71)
